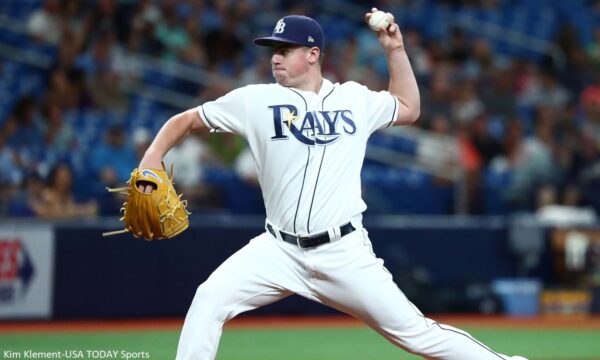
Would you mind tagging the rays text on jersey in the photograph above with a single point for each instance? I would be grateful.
(314, 128)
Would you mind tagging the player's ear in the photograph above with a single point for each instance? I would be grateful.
(313, 55)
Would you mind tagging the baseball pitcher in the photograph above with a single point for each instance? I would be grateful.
(308, 138)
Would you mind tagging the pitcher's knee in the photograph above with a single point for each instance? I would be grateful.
(206, 293)
(208, 303)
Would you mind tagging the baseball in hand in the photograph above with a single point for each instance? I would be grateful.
(379, 21)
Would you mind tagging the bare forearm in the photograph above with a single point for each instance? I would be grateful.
(171, 133)
(404, 86)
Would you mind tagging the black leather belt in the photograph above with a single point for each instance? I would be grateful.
(311, 241)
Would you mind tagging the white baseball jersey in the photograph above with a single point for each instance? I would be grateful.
(309, 149)
(302, 143)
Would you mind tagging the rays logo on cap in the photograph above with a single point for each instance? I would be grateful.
(294, 29)
(279, 27)
(146, 173)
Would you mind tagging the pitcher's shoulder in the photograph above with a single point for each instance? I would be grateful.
(263, 87)
(351, 86)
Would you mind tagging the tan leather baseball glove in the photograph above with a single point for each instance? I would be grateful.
(158, 215)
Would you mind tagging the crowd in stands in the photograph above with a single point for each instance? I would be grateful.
(527, 124)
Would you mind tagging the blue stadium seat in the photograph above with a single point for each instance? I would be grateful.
(22, 9)
(404, 145)
(403, 191)
(337, 28)
(495, 184)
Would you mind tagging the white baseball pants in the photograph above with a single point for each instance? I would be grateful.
(345, 275)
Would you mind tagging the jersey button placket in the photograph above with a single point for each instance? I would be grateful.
(306, 196)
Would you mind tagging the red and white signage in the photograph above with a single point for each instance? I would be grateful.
(26, 270)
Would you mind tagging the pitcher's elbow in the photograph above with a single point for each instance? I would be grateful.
(414, 114)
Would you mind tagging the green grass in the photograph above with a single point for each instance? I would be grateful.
(308, 344)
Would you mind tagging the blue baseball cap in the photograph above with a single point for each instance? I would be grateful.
(295, 29)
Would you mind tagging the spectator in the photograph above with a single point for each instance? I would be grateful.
(60, 89)
(487, 146)
(259, 73)
(58, 135)
(343, 60)
(458, 48)
(593, 49)
(172, 36)
(418, 55)
(44, 24)
(245, 167)
(590, 111)
(127, 63)
(113, 173)
(482, 60)
(23, 135)
(67, 89)
(142, 39)
(30, 192)
(194, 53)
(10, 173)
(81, 98)
(589, 176)
(223, 46)
(533, 166)
(191, 158)
(543, 89)
(67, 53)
(578, 72)
(107, 92)
(104, 18)
(141, 140)
(57, 200)
(466, 105)
(100, 58)
(498, 96)
(441, 152)
(72, 23)
(226, 147)
(468, 90)
(146, 13)
(437, 96)
(113, 160)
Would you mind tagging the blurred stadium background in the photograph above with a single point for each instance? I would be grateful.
(487, 205)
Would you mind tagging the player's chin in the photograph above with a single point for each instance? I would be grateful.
(281, 78)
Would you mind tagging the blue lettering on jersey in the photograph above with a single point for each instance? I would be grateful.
(315, 128)
(347, 118)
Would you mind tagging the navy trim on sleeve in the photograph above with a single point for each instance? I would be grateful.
(208, 121)
(394, 115)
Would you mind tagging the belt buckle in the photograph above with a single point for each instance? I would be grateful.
(299, 240)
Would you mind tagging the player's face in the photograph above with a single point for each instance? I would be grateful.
(289, 64)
